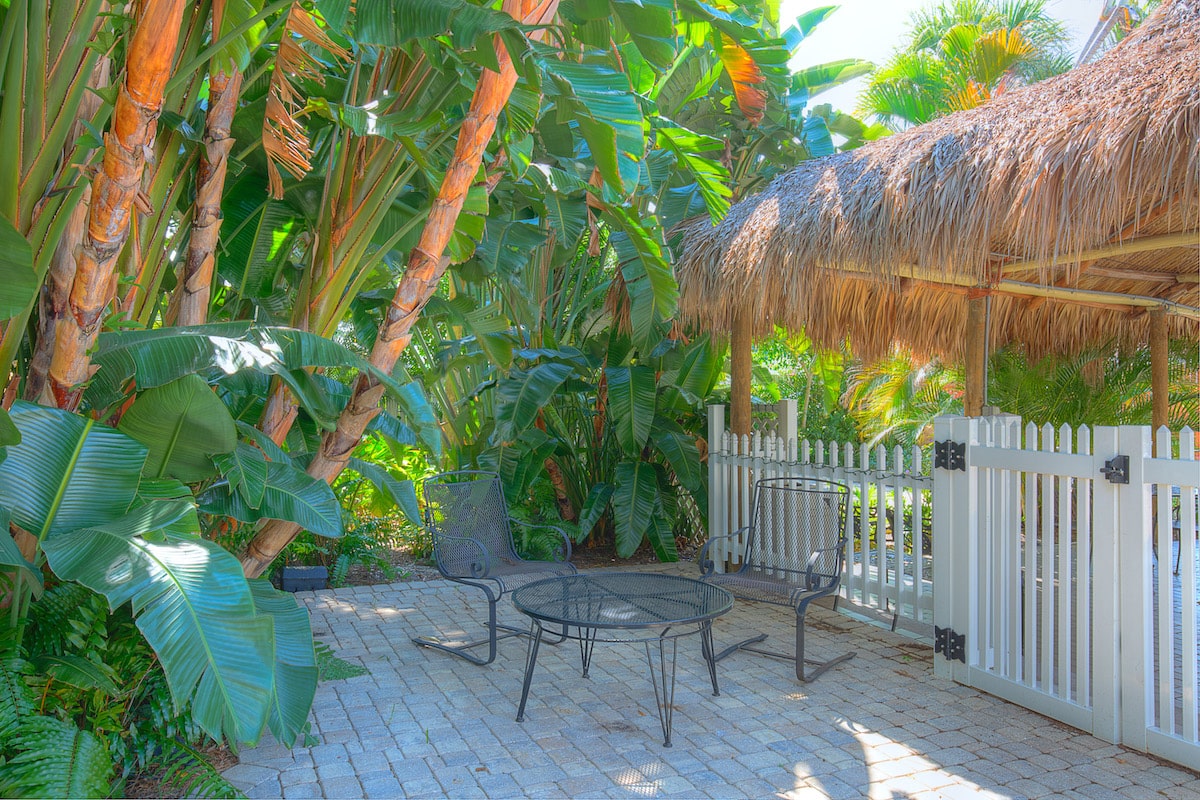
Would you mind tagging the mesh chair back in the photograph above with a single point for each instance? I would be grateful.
(793, 518)
(470, 505)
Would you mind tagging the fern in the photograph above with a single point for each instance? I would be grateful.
(185, 769)
(70, 618)
(55, 759)
(17, 701)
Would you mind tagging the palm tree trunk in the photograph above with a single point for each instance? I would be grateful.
(426, 265)
(190, 301)
(116, 185)
(53, 300)
(54, 303)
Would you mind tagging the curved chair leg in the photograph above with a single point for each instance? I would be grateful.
(463, 650)
(821, 666)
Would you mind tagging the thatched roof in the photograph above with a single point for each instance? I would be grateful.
(1032, 190)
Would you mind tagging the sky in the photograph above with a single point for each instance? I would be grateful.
(872, 29)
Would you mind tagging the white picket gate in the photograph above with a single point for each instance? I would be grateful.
(1057, 585)
(888, 567)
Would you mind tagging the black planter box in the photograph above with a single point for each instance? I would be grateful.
(303, 579)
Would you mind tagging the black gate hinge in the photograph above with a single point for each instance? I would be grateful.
(1116, 469)
(950, 644)
(950, 455)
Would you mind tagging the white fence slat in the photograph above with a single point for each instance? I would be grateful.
(1161, 516)
(918, 515)
(1083, 579)
(1047, 542)
(1066, 486)
(1188, 589)
(1029, 643)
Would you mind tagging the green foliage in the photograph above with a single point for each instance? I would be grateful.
(960, 53)
(83, 731)
(183, 424)
(228, 668)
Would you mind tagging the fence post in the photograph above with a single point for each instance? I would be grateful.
(1106, 634)
(1135, 588)
(718, 480)
(955, 530)
(785, 418)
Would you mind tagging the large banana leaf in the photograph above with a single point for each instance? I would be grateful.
(633, 504)
(520, 397)
(681, 453)
(295, 660)
(56, 759)
(246, 470)
(594, 507)
(392, 24)
(192, 605)
(399, 492)
(608, 116)
(67, 472)
(711, 176)
(631, 401)
(183, 424)
(290, 494)
(18, 281)
(8, 432)
(660, 535)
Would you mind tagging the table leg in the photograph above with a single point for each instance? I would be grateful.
(663, 681)
(706, 648)
(587, 644)
(535, 639)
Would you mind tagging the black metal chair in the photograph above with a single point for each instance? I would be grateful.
(793, 554)
(472, 544)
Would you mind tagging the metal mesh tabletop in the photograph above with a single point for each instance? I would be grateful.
(621, 600)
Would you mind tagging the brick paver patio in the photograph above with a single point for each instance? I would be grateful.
(426, 724)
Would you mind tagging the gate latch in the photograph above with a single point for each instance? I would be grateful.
(950, 454)
(1116, 469)
(950, 644)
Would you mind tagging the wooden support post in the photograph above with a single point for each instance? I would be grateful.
(976, 356)
(1158, 372)
(740, 341)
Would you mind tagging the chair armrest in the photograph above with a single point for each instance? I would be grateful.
(460, 557)
(704, 561)
(562, 553)
(812, 563)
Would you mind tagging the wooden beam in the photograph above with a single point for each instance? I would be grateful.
(1092, 297)
(1158, 371)
(1085, 297)
(741, 340)
(1140, 245)
(976, 356)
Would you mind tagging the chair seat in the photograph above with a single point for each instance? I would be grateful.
(758, 586)
(512, 573)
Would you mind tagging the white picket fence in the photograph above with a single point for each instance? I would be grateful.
(888, 567)
(1063, 584)
(1074, 596)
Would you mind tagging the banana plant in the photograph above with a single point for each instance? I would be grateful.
(87, 509)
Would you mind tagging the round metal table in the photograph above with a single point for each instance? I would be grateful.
(624, 607)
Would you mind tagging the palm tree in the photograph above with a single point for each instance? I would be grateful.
(962, 52)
